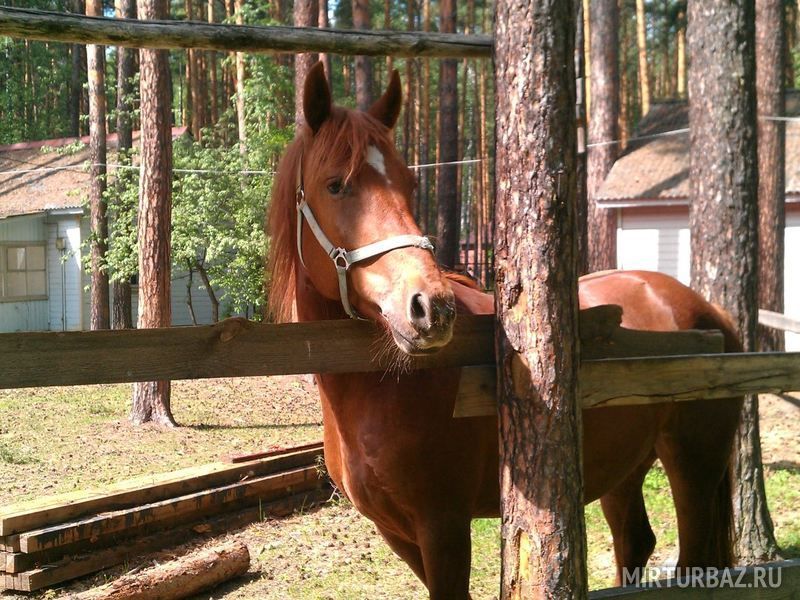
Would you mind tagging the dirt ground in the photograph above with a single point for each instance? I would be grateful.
(324, 553)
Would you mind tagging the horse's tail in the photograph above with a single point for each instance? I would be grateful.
(722, 521)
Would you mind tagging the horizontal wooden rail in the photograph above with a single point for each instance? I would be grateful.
(79, 29)
(776, 320)
(231, 348)
(770, 581)
(237, 348)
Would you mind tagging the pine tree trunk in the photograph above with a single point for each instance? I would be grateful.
(724, 233)
(681, 43)
(121, 304)
(770, 38)
(361, 20)
(641, 44)
(99, 317)
(322, 21)
(211, 68)
(306, 13)
(603, 129)
(151, 400)
(425, 113)
(76, 80)
(587, 51)
(544, 537)
(581, 200)
(627, 85)
(448, 221)
(241, 121)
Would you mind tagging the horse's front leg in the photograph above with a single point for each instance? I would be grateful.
(445, 543)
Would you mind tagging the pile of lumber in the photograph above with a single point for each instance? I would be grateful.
(55, 539)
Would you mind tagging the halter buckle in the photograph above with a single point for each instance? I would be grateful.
(339, 257)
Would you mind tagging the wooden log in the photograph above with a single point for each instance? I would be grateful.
(771, 581)
(232, 348)
(75, 29)
(72, 567)
(55, 509)
(195, 505)
(778, 321)
(191, 574)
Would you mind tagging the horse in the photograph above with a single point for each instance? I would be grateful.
(344, 244)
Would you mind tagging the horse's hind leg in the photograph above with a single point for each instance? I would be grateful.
(625, 512)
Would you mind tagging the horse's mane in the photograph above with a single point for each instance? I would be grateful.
(340, 142)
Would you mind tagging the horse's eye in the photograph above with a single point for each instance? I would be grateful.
(336, 187)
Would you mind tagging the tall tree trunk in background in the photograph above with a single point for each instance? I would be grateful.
(724, 235)
(211, 67)
(151, 400)
(581, 201)
(681, 44)
(667, 90)
(641, 44)
(96, 63)
(544, 537)
(387, 25)
(306, 13)
(241, 121)
(323, 23)
(587, 49)
(770, 71)
(627, 85)
(448, 222)
(604, 130)
(78, 54)
(790, 39)
(121, 304)
(361, 20)
(425, 114)
(196, 81)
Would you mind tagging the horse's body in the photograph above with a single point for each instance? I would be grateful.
(391, 442)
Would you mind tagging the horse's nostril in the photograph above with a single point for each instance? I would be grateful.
(419, 310)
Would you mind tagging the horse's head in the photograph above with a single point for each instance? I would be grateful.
(358, 241)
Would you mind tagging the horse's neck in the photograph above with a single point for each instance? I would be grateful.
(310, 305)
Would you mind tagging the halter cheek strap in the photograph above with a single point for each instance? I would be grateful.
(344, 259)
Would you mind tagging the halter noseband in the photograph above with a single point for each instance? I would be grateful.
(344, 259)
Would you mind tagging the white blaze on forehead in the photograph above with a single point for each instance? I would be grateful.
(375, 160)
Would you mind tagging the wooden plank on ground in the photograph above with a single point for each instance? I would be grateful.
(78, 566)
(55, 509)
(232, 348)
(266, 488)
(772, 581)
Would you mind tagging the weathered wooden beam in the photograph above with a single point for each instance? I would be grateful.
(78, 29)
(771, 581)
(26, 516)
(232, 348)
(775, 320)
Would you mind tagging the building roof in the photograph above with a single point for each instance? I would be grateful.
(48, 175)
(654, 171)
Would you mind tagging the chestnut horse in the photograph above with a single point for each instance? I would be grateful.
(344, 242)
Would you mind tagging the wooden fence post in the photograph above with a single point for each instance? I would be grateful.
(539, 417)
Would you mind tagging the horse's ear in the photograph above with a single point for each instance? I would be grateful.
(387, 108)
(316, 97)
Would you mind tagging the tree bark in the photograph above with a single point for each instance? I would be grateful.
(211, 67)
(770, 53)
(99, 317)
(78, 52)
(604, 130)
(195, 75)
(448, 219)
(322, 23)
(241, 120)
(681, 44)
(641, 45)
(361, 20)
(183, 577)
(151, 400)
(306, 13)
(723, 218)
(542, 498)
(121, 304)
(581, 200)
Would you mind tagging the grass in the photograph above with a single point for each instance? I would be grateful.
(56, 440)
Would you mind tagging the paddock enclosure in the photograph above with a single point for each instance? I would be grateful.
(618, 367)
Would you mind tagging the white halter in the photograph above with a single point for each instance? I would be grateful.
(344, 259)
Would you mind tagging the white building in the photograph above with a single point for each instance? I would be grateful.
(649, 188)
(43, 225)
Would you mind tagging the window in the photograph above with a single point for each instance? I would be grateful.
(22, 272)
